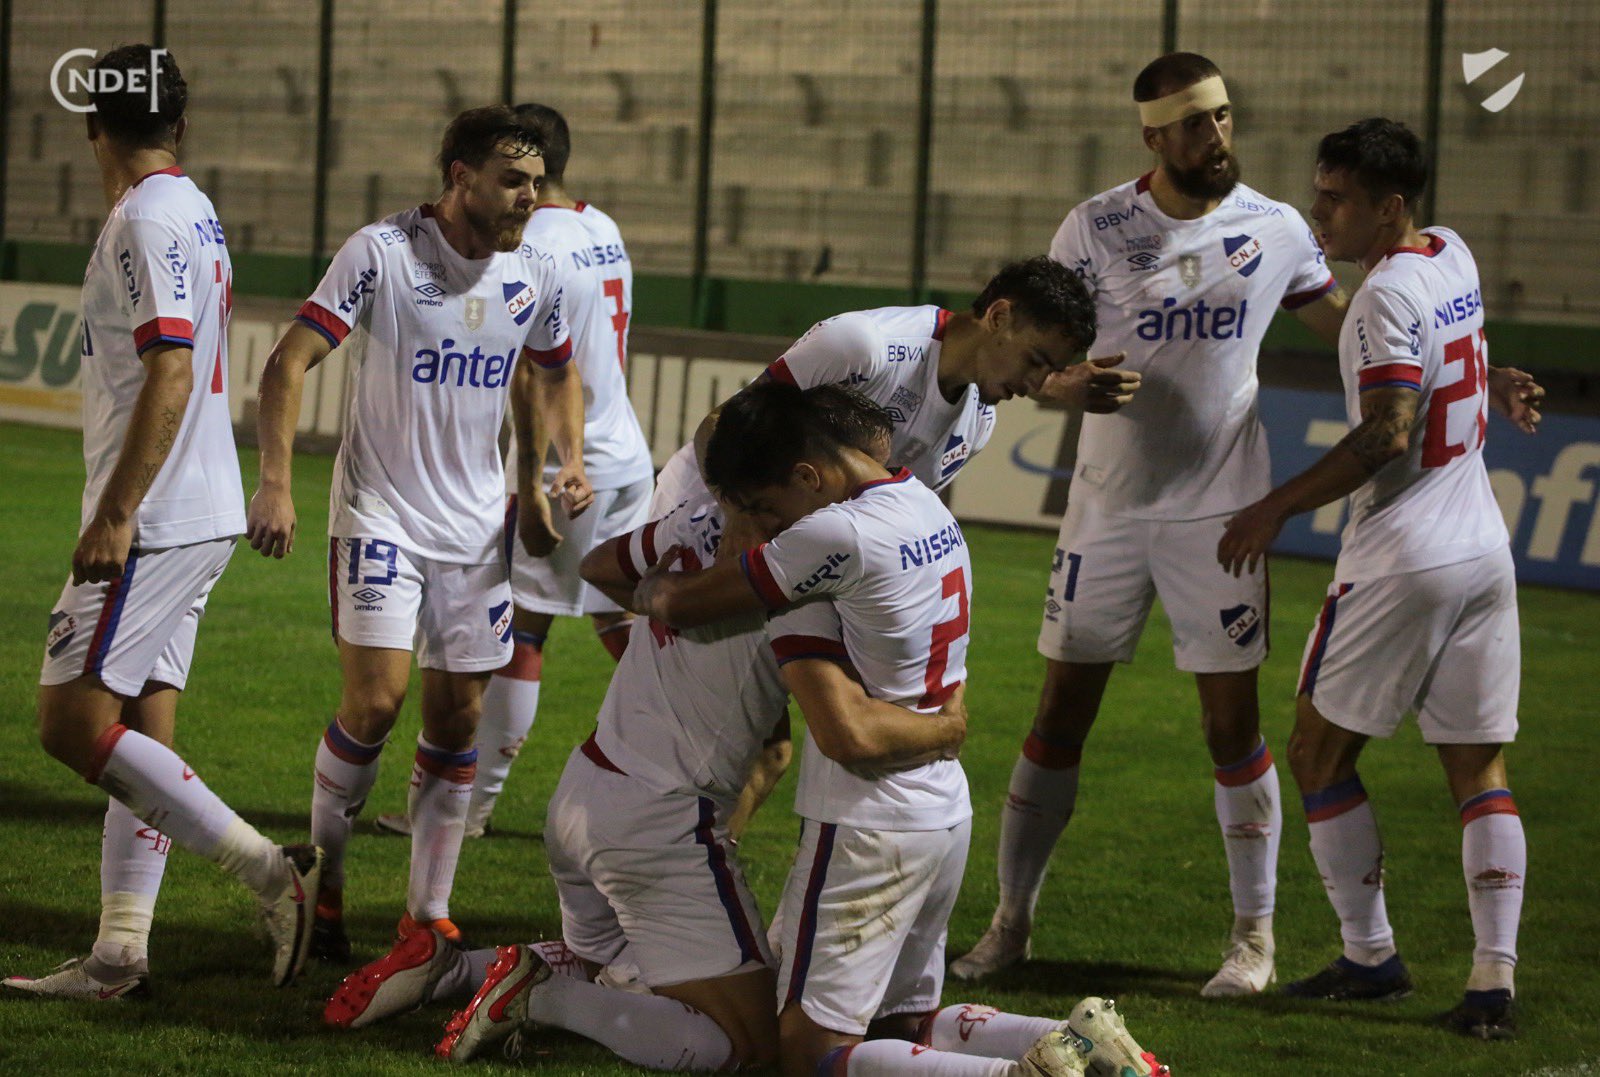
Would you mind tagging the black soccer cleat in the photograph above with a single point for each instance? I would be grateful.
(1345, 981)
(1483, 1015)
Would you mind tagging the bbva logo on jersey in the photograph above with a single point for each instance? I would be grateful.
(519, 300)
(1244, 253)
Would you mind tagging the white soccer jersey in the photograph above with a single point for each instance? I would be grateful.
(891, 356)
(1417, 322)
(881, 581)
(1189, 302)
(597, 302)
(160, 274)
(433, 337)
(688, 710)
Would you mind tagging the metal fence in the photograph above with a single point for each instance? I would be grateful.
(899, 144)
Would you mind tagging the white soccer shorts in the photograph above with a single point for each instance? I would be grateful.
(552, 584)
(1108, 571)
(650, 870)
(138, 628)
(1444, 642)
(864, 916)
(456, 617)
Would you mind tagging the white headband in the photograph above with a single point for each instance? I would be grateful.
(1203, 96)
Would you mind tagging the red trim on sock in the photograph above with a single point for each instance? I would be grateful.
(1042, 753)
(102, 752)
(1496, 806)
(1233, 777)
(527, 663)
(457, 774)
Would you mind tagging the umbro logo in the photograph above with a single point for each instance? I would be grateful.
(428, 294)
(368, 595)
(1143, 260)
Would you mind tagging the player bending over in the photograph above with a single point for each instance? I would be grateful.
(162, 508)
(1422, 614)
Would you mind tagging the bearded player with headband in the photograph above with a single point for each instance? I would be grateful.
(1186, 265)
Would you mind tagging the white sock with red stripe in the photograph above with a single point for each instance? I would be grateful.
(159, 788)
(345, 772)
(133, 858)
(884, 1058)
(652, 1031)
(441, 786)
(1250, 812)
(510, 705)
(1494, 859)
(973, 1029)
(1043, 791)
(1349, 855)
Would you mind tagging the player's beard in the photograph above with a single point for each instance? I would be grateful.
(1202, 182)
(502, 231)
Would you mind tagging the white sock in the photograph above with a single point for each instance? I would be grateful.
(1349, 854)
(159, 788)
(441, 785)
(972, 1029)
(1250, 812)
(510, 705)
(885, 1058)
(1494, 859)
(133, 857)
(648, 1030)
(345, 771)
(1044, 788)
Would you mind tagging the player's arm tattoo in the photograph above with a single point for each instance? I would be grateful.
(1385, 429)
(166, 436)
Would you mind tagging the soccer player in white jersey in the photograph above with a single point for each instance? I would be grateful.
(872, 585)
(1186, 265)
(161, 510)
(447, 311)
(597, 301)
(1422, 614)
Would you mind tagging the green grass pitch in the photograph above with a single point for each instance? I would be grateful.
(1136, 906)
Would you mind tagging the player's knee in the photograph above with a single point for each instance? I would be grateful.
(1312, 761)
(64, 738)
(369, 715)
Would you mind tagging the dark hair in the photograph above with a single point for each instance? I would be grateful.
(769, 427)
(477, 133)
(549, 127)
(1046, 293)
(126, 113)
(1385, 157)
(1171, 73)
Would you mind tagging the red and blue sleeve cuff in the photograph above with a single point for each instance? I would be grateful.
(176, 331)
(644, 542)
(779, 371)
(1310, 295)
(551, 358)
(324, 321)
(793, 648)
(756, 570)
(1391, 376)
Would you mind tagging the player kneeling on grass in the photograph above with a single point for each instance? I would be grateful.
(1423, 612)
(870, 584)
(161, 511)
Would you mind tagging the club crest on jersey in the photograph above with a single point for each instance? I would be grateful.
(1244, 253)
(473, 314)
(1241, 623)
(956, 451)
(63, 626)
(519, 300)
(1189, 269)
(500, 621)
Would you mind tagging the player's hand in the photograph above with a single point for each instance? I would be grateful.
(270, 523)
(740, 532)
(1094, 386)
(1248, 537)
(647, 593)
(955, 711)
(1517, 396)
(102, 550)
(535, 526)
(571, 487)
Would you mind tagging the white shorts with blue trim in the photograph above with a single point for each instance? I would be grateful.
(552, 584)
(1108, 571)
(652, 871)
(456, 617)
(1444, 642)
(863, 922)
(140, 627)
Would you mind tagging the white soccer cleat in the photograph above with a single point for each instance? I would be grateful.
(70, 980)
(398, 982)
(393, 822)
(1105, 1041)
(288, 915)
(1000, 948)
(1247, 969)
(498, 1012)
(1057, 1054)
